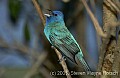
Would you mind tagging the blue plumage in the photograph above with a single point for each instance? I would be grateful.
(60, 37)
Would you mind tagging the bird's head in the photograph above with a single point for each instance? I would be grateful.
(54, 17)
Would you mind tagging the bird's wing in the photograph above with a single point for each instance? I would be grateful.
(65, 43)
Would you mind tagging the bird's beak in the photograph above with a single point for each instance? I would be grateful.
(48, 15)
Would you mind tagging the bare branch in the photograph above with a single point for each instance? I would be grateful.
(57, 52)
(45, 72)
(114, 6)
(36, 66)
(92, 2)
(22, 48)
(94, 20)
(108, 47)
(39, 11)
(62, 61)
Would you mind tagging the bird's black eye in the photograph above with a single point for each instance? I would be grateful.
(55, 14)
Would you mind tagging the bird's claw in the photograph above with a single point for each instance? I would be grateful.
(63, 58)
(52, 47)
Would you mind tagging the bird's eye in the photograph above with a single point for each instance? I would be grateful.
(55, 14)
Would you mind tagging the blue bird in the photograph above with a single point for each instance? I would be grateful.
(60, 37)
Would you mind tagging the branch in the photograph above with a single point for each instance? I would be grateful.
(36, 66)
(117, 3)
(94, 20)
(21, 49)
(93, 5)
(114, 5)
(39, 11)
(62, 61)
(57, 52)
(25, 50)
(108, 47)
(45, 72)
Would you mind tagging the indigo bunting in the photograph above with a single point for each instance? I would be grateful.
(60, 37)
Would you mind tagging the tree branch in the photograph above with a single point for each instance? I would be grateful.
(114, 5)
(110, 21)
(39, 11)
(62, 61)
(36, 66)
(57, 52)
(94, 20)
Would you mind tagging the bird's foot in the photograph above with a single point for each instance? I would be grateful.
(52, 47)
(63, 58)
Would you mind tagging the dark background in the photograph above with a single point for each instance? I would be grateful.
(24, 47)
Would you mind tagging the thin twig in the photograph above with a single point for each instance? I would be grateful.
(64, 65)
(19, 47)
(44, 71)
(23, 49)
(36, 66)
(117, 3)
(114, 6)
(39, 11)
(93, 5)
(94, 20)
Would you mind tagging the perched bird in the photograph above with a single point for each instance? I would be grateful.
(60, 37)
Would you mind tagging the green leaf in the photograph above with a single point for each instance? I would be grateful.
(14, 8)
(26, 33)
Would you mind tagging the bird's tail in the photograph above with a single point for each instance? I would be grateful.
(83, 62)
